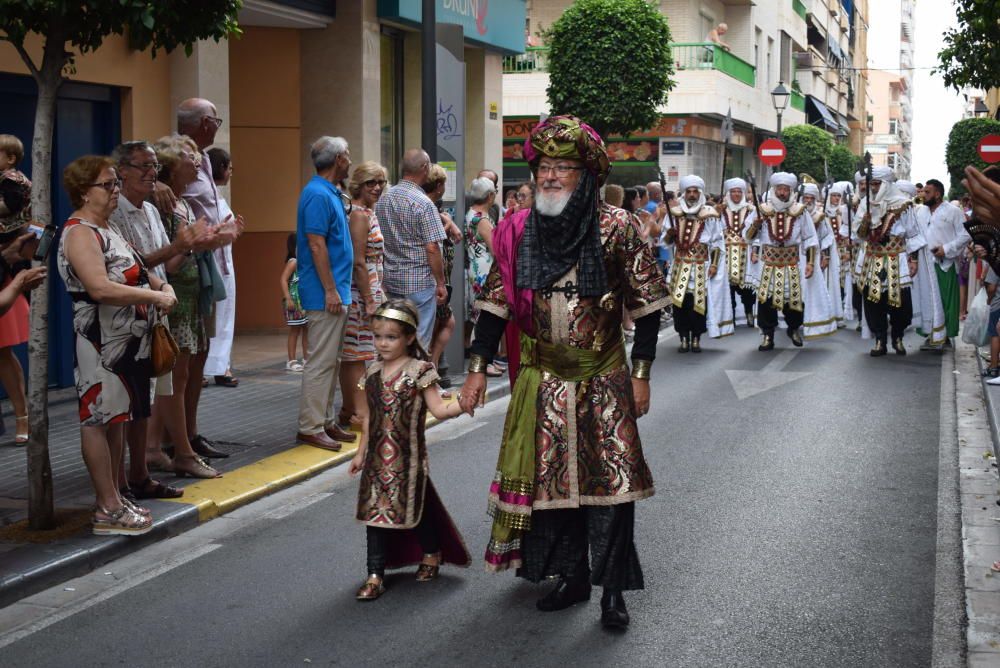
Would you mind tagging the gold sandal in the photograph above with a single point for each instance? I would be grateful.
(121, 522)
(22, 435)
(137, 509)
(194, 466)
(371, 589)
(427, 572)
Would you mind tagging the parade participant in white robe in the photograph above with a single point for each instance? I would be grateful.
(736, 214)
(929, 312)
(838, 280)
(857, 250)
(699, 287)
(892, 261)
(776, 237)
(820, 314)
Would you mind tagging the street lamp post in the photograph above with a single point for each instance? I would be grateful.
(980, 110)
(779, 96)
(841, 134)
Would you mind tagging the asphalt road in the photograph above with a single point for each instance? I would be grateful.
(794, 527)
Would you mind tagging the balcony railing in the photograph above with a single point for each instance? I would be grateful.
(708, 56)
(534, 59)
(799, 8)
(798, 101)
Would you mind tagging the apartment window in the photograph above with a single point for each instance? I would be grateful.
(893, 126)
(871, 123)
(785, 66)
(756, 55)
(770, 59)
(893, 161)
(707, 23)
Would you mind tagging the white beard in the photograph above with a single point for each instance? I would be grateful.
(552, 205)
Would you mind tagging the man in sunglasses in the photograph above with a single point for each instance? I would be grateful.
(571, 464)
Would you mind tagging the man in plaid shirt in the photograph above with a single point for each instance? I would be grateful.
(413, 266)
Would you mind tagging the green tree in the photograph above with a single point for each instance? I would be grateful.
(807, 148)
(961, 149)
(842, 163)
(68, 28)
(970, 57)
(610, 64)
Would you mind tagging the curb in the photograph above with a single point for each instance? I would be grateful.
(33, 568)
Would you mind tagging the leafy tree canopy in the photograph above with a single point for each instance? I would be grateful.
(155, 25)
(610, 64)
(807, 148)
(842, 163)
(971, 53)
(960, 152)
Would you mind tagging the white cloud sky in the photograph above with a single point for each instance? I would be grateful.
(935, 108)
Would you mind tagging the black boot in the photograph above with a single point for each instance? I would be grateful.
(879, 349)
(796, 336)
(897, 345)
(696, 344)
(750, 318)
(566, 592)
(613, 612)
(685, 344)
(767, 343)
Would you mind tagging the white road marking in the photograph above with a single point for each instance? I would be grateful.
(750, 383)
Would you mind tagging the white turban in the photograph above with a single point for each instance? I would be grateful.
(784, 179)
(735, 184)
(858, 177)
(907, 187)
(811, 189)
(840, 188)
(781, 179)
(692, 181)
(882, 173)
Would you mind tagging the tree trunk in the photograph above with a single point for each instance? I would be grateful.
(40, 499)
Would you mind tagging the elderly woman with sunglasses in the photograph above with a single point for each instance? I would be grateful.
(365, 187)
(114, 298)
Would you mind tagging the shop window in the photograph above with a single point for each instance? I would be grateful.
(391, 98)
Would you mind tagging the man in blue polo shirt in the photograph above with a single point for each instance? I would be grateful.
(325, 263)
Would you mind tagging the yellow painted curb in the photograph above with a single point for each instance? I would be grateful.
(254, 481)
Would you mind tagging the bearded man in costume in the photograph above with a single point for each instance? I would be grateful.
(737, 214)
(571, 465)
(697, 285)
(896, 258)
(783, 231)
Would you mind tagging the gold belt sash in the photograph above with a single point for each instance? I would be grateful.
(736, 258)
(513, 490)
(693, 259)
(882, 271)
(781, 270)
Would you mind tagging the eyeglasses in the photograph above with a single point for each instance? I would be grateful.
(146, 166)
(371, 183)
(108, 185)
(216, 120)
(520, 197)
(558, 170)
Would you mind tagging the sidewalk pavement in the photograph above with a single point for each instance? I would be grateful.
(255, 422)
(978, 421)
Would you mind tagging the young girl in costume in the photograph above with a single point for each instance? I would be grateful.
(406, 521)
(295, 317)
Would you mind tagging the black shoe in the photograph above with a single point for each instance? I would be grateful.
(206, 448)
(750, 319)
(696, 344)
(685, 344)
(444, 382)
(858, 328)
(767, 343)
(879, 349)
(897, 345)
(796, 336)
(566, 593)
(613, 612)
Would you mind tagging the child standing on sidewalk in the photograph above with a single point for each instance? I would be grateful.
(406, 522)
(295, 317)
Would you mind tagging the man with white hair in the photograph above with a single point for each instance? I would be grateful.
(778, 238)
(697, 286)
(571, 465)
(893, 240)
(737, 214)
(943, 225)
(325, 267)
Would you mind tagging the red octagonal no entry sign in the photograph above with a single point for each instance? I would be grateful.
(989, 148)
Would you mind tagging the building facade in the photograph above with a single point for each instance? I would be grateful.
(907, 35)
(887, 124)
(767, 39)
(301, 69)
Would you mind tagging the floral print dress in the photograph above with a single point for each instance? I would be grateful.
(479, 260)
(112, 342)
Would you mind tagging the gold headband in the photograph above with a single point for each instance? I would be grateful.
(396, 314)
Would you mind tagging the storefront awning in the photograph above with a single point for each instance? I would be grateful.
(824, 114)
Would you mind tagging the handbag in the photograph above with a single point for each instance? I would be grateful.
(163, 350)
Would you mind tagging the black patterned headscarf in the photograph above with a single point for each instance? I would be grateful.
(552, 245)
